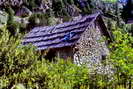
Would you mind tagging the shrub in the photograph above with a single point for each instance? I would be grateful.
(14, 57)
(38, 19)
(20, 66)
(122, 58)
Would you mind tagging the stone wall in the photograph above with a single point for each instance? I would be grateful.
(91, 46)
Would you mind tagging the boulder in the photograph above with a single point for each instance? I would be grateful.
(3, 17)
(23, 12)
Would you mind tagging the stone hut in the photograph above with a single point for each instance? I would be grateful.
(81, 40)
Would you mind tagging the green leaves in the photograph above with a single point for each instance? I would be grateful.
(112, 1)
(69, 75)
(14, 58)
(122, 56)
(20, 67)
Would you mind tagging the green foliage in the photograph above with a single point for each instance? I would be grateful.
(21, 66)
(12, 26)
(70, 75)
(14, 57)
(113, 1)
(30, 3)
(60, 7)
(122, 58)
(62, 75)
(39, 19)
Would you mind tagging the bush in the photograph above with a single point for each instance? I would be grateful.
(14, 57)
(38, 19)
(20, 66)
(23, 67)
(122, 59)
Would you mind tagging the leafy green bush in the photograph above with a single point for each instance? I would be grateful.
(14, 57)
(113, 1)
(41, 19)
(122, 58)
(65, 75)
(31, 3)
(38, 19)
(20, 65)
(23, 67)
(60, 75)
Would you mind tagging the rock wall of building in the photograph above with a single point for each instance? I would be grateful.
(91, 46)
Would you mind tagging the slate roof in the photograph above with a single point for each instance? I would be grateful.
(55, 36)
